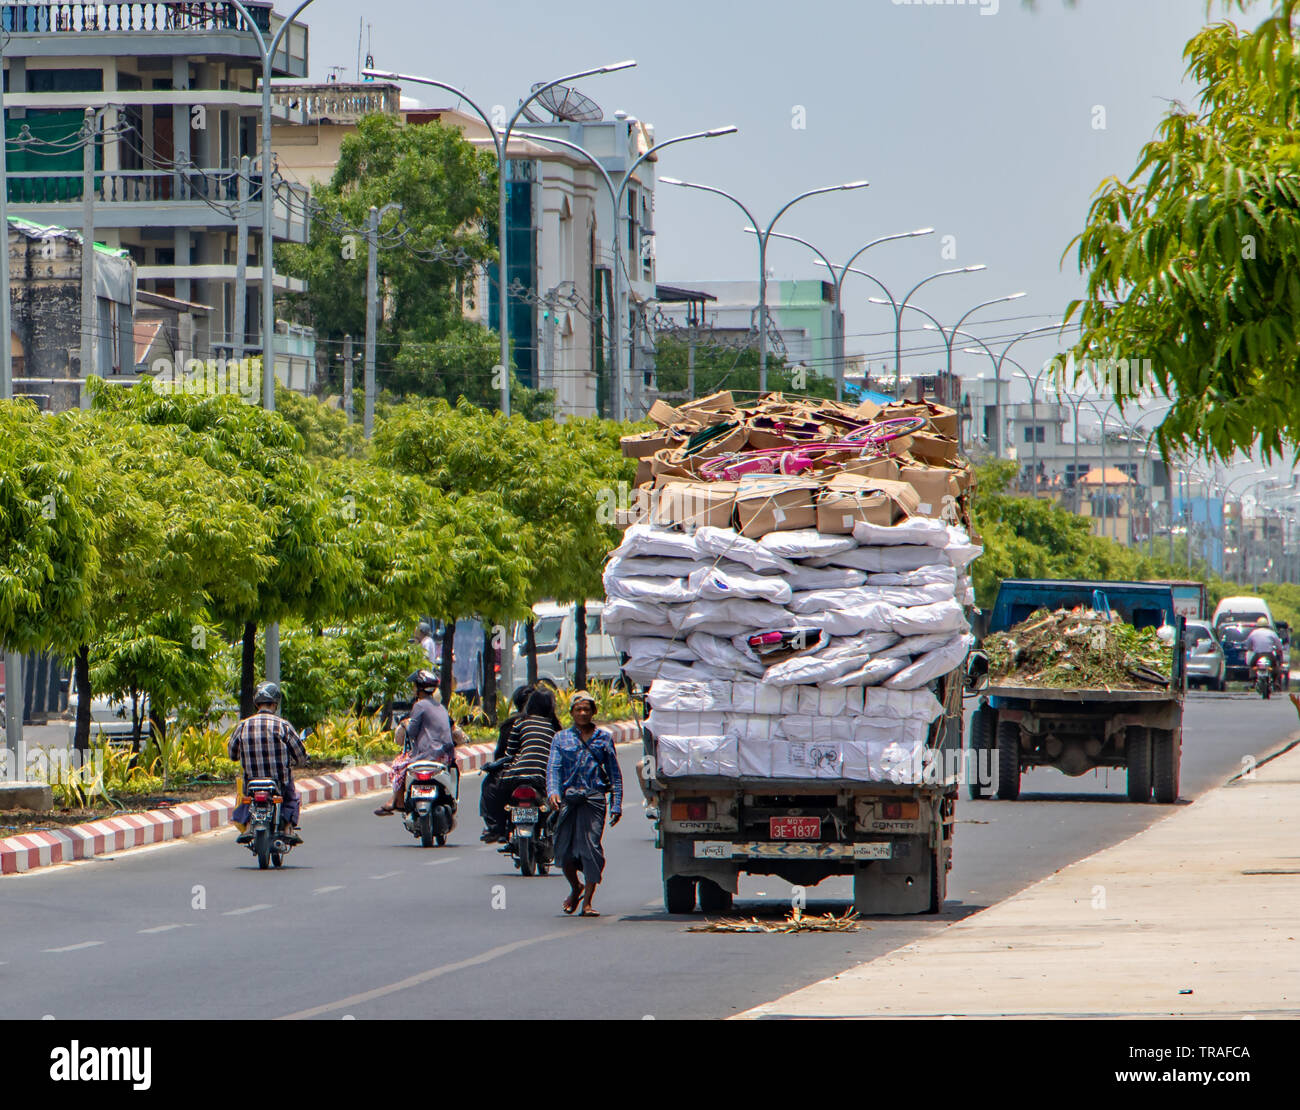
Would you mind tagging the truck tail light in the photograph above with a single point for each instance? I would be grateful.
(900, 811)
(692, 809)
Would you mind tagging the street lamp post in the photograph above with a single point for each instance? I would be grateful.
(268, 259)
(837, 280)
(501, 141)
(13, 660)
(762, 249)
(616, 196)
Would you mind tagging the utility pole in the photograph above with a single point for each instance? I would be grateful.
(88, 314)
(347, 377)
(372, 296)
(372, 307)
(15, 749)
(690, 367)
(240, 329)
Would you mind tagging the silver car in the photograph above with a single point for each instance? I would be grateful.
(1205, 662)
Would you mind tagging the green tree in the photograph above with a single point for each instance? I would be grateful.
(428, 254)
(308, 573)
(1193, 262)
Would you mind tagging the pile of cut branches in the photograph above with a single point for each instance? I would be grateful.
(1078, 649)
(797, 922)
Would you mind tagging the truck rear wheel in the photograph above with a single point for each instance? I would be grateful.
(679, 894)
(1166, 764)
(1137, 754)
(1008, 734)
(983, 729)
(713, 899)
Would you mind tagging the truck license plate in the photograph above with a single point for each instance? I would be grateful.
(795, 828)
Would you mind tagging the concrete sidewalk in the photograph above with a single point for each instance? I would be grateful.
(1196, 916)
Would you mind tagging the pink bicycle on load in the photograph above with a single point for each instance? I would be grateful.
(795, 460)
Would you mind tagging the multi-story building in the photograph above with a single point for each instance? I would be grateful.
(174, 87)
(801, 318)
(559, 221)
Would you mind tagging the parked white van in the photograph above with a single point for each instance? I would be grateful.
(554, 632)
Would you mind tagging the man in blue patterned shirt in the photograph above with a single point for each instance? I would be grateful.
(581, 770)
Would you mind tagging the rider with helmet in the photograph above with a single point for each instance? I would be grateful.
(267, 746)
(1264, 641)
(428, 736)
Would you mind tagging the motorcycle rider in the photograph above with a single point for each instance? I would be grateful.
(428, 736)
(491, 802)
(266, 746)
(1264, 641)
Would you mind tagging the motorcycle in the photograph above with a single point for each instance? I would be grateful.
(1263, 665)
(530, 833)
(431, 794)
(263, 836)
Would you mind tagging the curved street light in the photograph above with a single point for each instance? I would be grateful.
(616, 199)
(838, 286)
(501, 140)
(762, 249)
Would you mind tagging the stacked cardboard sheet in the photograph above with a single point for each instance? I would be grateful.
(794, 625)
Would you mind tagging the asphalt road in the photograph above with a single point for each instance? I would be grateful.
(364, 922)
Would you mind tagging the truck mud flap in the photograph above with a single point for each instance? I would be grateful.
(900, 885)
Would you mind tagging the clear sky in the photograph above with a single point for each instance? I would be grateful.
(980, 125)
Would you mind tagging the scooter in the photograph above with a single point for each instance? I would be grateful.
(530, 836)
(431, 795)
(1264, 675)
(263, 836)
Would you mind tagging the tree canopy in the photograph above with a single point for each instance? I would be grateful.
(1193, 262)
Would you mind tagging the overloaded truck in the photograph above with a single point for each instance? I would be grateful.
(803, 637)
(1080, 680)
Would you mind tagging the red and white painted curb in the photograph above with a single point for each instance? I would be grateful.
(114, 834)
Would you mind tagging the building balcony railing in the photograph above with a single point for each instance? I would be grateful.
(43, 18)
(336, 103)
(210, 188)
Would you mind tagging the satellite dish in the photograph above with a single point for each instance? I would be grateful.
(565, 105)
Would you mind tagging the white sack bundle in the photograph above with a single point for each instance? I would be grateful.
(913, 647)
(960, 552)
(880, 702)
(689, 697)
(718, 652)
(649, 566)
(819, 601)
(874, 672)
(708, 615)
(811, 727)
(661, 591)
(838, 657)
(933, 664)
(713, 756)
(924, 620)
(676, 722)
(645, 672)
(727, 543)
(875, 560)
(762, 698)
(646, 539)
(716, 584)
(829, 701)
(913, 530)
(805, 544)
(805, 578)
(650, 648)
(922, 576)
(754, 726)
(620, 612)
